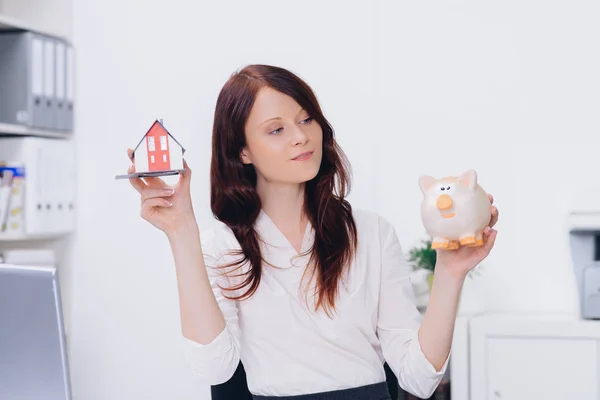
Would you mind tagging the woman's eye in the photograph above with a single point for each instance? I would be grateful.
(448, 188)
(276, 131)
(307, 120)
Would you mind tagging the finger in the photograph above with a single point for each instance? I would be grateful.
(487, 232)
(137, 183)
(156, 202)
(187, 170)
(186, 176)
(130, 154)
(155, 182)
(491, 239)
(494, 218)
(149, 204)
(491, 198)
(150, 193)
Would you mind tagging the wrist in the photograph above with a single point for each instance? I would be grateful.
(449, 274)
(186, 229)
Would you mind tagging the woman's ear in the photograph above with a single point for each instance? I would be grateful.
(244, 156)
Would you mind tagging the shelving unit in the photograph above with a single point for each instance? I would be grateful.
(52, 18)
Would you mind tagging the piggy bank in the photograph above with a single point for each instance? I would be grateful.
(455, 210)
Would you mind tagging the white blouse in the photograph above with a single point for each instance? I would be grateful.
(287, 348)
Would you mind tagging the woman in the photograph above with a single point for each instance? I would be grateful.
(312, 296)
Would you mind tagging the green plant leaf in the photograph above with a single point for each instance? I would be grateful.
(423, 255)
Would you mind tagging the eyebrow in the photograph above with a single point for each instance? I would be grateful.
(277, 118)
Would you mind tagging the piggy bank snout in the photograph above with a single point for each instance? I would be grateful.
(444, 202)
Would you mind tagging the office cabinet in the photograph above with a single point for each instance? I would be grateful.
(526, 357)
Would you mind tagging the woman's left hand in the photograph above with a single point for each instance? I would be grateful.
(459, 262)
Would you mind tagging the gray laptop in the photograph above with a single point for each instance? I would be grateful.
(33, 355)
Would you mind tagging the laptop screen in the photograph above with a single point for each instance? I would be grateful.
(33, 357)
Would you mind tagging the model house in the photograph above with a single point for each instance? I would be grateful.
(157, 153)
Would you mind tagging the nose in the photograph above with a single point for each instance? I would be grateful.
(444, 202)
(299, 137)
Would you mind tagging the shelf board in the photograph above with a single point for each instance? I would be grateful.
(584, 221)
(10, 129)
(21, 237)
(10, 23)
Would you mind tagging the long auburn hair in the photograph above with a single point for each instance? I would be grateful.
(235, 201)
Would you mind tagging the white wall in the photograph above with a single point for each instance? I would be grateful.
(409, 88)
(510, 89)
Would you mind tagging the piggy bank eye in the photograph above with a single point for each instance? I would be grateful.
(448, 188)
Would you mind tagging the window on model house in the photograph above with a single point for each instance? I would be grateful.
(164, 158)
(163, 142)
(151, 143)
(152, 159)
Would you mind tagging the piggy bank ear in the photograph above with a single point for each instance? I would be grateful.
(468, 178)
(425, 182)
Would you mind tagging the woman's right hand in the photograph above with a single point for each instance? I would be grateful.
(168, 208)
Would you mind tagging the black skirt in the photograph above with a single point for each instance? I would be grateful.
(377, 391)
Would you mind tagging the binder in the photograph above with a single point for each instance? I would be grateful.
(61, 85)
(36, 99)
(50, 83)
(22, 79)
(70, 89)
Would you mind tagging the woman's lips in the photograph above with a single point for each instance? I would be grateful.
(303, 156)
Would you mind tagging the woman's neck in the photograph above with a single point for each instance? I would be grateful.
(284, 204)
(285, 200)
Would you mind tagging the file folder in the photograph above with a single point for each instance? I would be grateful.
(35, 101)
(49, 83)
(61, 86)
(70, 89)
(22, 95)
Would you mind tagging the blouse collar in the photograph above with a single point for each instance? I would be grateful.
(276, 248)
